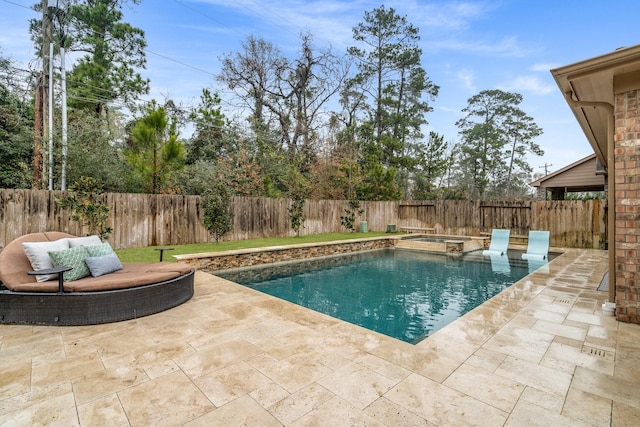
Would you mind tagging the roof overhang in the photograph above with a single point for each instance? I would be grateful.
(596, 80)
(540, 181)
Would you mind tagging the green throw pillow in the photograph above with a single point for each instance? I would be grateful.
(73, 257)
(99, 250)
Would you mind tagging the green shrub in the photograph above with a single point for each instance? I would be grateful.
(218, 219)
(348, 220)
(85, 201)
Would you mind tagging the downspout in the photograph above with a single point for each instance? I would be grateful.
(611, 182)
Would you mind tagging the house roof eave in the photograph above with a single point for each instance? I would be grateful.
(540, 181)
(593, 81)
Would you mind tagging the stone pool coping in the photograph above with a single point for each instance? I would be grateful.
(241, 258)
(224, 260)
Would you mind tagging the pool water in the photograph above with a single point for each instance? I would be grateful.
(404, 294)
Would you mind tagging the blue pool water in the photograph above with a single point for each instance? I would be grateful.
(404, 294)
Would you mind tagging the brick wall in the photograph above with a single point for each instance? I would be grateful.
(627, 193)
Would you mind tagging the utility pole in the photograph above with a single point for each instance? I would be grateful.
(50, 125)
(43, 107)
(50, 9)
(546, 168)
(62, 8)
(63, 82)
(37, 137)
(43, 87)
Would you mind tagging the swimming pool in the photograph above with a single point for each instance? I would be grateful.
(405, 294)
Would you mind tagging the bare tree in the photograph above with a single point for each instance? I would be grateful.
(288, 97)
(315, 78)
(254, 75)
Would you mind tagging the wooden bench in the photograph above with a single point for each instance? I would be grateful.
(418, 229)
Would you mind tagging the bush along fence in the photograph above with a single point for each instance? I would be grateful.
(140, 220)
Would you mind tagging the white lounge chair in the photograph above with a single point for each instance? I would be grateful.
(538, 265)
(538, 246)
(500, 263)
(499, 242)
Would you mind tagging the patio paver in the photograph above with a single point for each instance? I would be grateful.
(539, 353)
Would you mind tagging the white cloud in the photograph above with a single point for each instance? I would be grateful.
(528, 84)
(436, 17)
(506, 47)
(466, 79)
(330, 22)
(448, 109)
(545, 67)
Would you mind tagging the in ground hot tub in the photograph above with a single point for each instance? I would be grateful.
(443, 244)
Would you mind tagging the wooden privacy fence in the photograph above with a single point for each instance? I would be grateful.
(572, 224)
(141, 220)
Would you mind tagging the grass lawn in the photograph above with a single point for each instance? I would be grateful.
(150, 254)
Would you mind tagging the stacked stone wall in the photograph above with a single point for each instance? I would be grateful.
(251, 257)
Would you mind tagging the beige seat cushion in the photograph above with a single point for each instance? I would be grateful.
(14, 266)
(14, 263)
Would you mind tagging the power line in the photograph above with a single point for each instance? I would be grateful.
(17, 4)
(168, 58)
(146, 49)
(280, 17)
(193, 67)
(185, 64)
(180, 62)
(199, 12)
(30, 74)
(97, 100)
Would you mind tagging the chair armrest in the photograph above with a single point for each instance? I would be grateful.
(54, 270)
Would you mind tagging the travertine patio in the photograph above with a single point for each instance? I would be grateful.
(539, 353)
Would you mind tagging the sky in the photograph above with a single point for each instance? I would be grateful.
(467, 47)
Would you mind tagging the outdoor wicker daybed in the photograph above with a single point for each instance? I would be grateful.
(133, 290)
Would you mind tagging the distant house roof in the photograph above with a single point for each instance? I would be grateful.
(584, 175)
